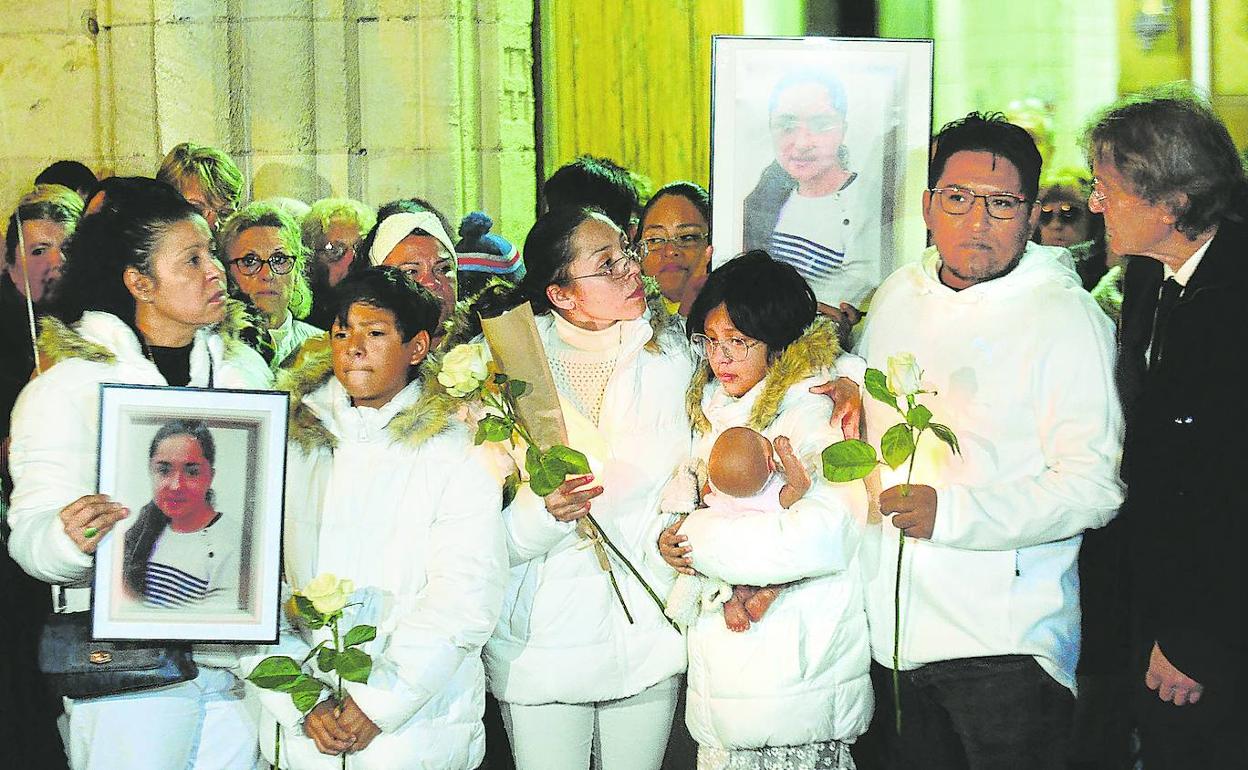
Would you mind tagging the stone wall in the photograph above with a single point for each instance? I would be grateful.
(373, 99)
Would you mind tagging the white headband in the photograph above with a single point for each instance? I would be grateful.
(396, 227)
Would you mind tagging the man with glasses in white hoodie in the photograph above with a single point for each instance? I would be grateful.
(1018, 361)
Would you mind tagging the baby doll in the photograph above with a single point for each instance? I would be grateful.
(742, 479)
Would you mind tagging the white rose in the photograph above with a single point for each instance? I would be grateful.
(327, 593)
(904, 374)
(464, 369)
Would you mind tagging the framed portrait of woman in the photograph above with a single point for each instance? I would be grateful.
(819, 151)
(202, 473)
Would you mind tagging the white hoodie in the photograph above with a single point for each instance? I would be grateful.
(1022, 367)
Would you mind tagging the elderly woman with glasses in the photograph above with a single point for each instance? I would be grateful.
(266, 261)
(332, 231)
(676, 228)
(576, 676)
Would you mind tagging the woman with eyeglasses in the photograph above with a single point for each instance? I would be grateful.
(332, 231)
(1066, 221)
(676, 228)
(142, 301)
(266, 259)
(575, 678)
(793, 690)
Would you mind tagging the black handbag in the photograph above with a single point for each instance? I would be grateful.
(78, 667)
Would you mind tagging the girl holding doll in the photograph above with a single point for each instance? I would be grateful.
(793, 690)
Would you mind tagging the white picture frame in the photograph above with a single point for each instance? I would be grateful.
(846, 213)
(220, 582)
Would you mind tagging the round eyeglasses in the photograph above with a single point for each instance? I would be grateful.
(732, 349)
(958, 201)
(279, 264)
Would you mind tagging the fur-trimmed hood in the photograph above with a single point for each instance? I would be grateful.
(59, 341)
(419, 415)
(816, 349)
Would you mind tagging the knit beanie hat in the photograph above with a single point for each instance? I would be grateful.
(481, 251)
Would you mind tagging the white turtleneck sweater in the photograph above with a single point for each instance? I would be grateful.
(581, 362)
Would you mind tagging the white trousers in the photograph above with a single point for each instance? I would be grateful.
(202, 724)
(626, 734)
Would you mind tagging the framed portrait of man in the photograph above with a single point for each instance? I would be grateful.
(819, 151)
(202, 473)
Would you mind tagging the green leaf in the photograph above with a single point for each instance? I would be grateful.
(848, 460)
(326, 659)
(918, 417)
(946, 435)
(277, 672)
(354, 665)
(517, 388)
(306, 693)
(310, 616)
(876, 383)
(897, 445)
(510, 485)
(543, 480)
(547, 470)
(499, 378)
(573, 461)
(492, 428)
(360, 635)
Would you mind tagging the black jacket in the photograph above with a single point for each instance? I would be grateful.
(1186, 457)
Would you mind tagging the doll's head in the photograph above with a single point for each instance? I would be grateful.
(741, 462)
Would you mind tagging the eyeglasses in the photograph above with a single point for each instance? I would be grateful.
(1065, 213)
(681, 242)
(279, 264)
(814, 124)
(332, 253)
(957, 201)
(1098, 194)
(223, 213)
(733, 348)
(619, 268)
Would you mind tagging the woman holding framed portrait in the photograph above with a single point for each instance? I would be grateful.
(142, 302)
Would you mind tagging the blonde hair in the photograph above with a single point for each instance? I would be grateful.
(265, 214)
(326, 211)
(216, 173)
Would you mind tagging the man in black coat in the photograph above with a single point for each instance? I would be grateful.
(1171, 187)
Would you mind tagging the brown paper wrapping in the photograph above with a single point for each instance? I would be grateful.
(518, 352)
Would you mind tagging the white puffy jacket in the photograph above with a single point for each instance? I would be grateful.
(1023, 369)
(56, 424)
(397, 500)
(800, 675)
(562, 636)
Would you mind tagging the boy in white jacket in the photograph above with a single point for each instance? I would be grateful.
(385, 488)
